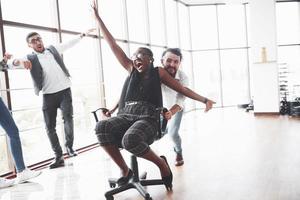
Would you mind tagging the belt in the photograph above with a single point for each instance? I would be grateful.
(130, 103)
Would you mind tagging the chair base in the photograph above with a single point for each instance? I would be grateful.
(135, 182)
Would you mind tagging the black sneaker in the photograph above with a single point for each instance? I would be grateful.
(58, 162)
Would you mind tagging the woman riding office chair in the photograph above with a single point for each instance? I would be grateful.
(136, 181)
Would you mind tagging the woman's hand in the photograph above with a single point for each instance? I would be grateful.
(208, 105)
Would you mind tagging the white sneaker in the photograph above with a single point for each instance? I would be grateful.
(26, 174)
(6, 182)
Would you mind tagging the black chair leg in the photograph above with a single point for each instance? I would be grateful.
(135, 182)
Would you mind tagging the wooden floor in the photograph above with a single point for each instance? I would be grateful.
(229, 155)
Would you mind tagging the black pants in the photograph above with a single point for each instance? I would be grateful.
(51, 102)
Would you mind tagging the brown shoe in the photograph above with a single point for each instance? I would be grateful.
(179, 160)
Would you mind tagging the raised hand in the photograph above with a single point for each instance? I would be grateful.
(86, 33)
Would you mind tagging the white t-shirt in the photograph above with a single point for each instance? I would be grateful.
(170, 96)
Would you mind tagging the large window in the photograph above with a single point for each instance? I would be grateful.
(232, 26)
(207, 75)
(157, 25)
(30, 12)
(112, 12)
(81, 60)
(172, 23)
(204, 27)
(288, 23)
(136, 12)
(79, 18)
(184, 25)
(235, 84)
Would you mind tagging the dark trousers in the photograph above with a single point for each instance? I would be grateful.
(51, 103)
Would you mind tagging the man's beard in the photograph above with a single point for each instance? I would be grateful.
(171, 71)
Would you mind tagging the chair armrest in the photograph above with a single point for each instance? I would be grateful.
(162, 121)
(95, 112)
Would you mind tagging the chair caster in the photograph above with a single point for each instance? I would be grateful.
(148, 198)
(112, 185)
(109, 197)
(112, 182)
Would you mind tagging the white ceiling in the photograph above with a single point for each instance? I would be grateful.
(191, 2)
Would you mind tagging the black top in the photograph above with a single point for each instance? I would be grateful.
(142, 88)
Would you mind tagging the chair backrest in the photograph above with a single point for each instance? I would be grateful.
(161, 120)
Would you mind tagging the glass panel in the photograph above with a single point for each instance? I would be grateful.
(186, 66)
(157, 52)
(76, 15)
(172, 23)
(207, 76)
(235, 77)
(288, 22)
(85, 87)
(232, 26)
(30, 12)
(113, 20)
(24, 99)
(35, 143)
(184, 27)
(204, 27)
(156, 17)
(136, 11)
(114, 75)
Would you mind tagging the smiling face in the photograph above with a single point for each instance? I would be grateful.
(142, 59)
(171, 63)
(35, 42)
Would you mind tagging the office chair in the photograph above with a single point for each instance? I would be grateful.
(136, 181)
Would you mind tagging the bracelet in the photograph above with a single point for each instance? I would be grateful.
(82, 35)
(205, 100)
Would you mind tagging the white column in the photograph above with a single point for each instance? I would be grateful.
(263, 56)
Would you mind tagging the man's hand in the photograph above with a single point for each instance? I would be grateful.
(168, 115)
(7, 56)
(87, 32)
(209, 105)
(25, 63)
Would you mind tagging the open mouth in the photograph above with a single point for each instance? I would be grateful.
(138, 64)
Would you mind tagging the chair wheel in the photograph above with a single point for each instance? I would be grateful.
(148, 198)
(109, 197)
(112, 185)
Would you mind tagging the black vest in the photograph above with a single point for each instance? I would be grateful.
(37, 70)
(145, 89)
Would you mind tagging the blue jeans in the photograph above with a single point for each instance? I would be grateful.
(173, 131)
(51, 103)
(9, 125)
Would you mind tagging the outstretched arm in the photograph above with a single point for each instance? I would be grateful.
(175, 85)
(62, 47)
(119, 53)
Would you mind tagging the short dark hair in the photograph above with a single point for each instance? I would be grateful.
(175, 51)
(29, 35)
